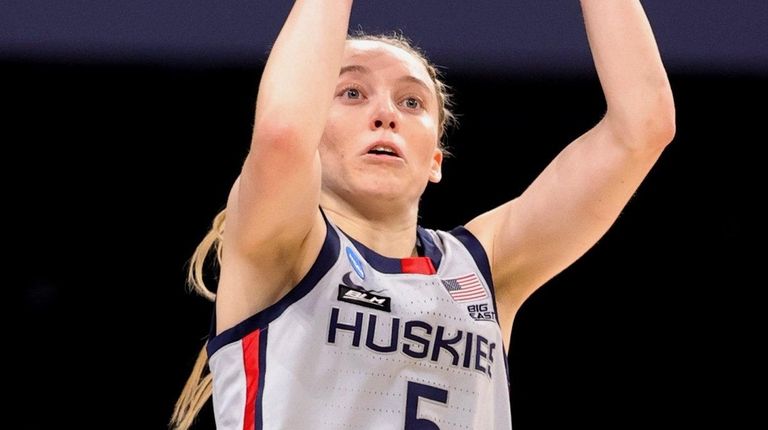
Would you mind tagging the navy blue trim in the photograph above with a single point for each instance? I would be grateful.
(329, 253)
(392, 265)
(478, 253)
(259, 424)
(428, 247)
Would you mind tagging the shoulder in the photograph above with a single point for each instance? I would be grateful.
(457, 240)
(456, 235)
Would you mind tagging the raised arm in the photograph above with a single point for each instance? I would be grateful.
(272, 211)
(641, 112)
(579, 195)
(279, 184)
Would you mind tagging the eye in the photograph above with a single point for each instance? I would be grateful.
(412, 103)
(351, 93)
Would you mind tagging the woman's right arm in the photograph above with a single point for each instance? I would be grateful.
(272, 210)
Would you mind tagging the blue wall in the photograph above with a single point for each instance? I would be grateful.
(694, 35)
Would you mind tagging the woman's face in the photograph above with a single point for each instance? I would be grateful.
(381, 138)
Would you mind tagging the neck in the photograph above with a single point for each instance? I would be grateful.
(388, 232)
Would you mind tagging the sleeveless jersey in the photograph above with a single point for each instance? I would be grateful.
(370, 342)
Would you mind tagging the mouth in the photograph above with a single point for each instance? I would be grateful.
(385, 149)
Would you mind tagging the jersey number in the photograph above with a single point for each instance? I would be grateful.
(416, 390)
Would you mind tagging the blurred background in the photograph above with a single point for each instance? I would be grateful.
(125, 123)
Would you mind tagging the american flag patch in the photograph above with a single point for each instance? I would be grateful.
(465, 288)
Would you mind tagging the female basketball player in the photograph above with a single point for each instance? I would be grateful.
(334, 309)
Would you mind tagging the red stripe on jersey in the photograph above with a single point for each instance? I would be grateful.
(422, 265)
(251, 362)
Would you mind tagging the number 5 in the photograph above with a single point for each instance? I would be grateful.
(416, 390)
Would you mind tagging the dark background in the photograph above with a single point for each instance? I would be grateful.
(117, 159)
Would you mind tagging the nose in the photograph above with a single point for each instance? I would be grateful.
(384, 117)
(379, 124)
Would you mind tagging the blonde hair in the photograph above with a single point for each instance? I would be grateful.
(199, 385)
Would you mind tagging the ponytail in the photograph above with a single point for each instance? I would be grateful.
(199, 387)
(211, 241)
(196, 392)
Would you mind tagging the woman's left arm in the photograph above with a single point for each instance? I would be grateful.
(640, 110)
(579, 195)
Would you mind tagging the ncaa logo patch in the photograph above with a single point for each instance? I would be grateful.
(354, 260)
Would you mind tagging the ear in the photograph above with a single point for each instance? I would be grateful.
(436, 169)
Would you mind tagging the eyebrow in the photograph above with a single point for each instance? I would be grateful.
(354, 68)
(357, 68)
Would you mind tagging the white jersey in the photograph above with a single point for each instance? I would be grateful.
(370, 342)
